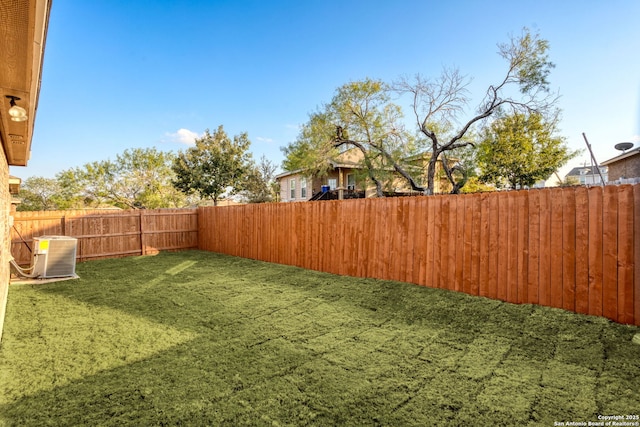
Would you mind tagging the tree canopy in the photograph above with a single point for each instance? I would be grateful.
(362, 115)
(215, 166)
(139, 178)
(519, 149)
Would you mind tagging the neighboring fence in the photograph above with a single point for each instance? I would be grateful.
(574, 248)
(107, 234)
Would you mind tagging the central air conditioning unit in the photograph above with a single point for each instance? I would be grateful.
(53, 256)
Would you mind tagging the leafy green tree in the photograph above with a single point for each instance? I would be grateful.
(360, 115)
(519, 149)
(139, 178)
(216, 166)
(40, 194)
(439, 104)
(259, 186)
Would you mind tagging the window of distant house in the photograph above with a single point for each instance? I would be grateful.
(333, 183)
(351, 181)
(292, 188)
(303, 189)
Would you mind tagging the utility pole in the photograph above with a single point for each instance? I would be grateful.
(593, 158)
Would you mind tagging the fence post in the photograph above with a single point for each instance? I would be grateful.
(143, 250)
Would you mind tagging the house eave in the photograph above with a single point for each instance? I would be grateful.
(23, 31)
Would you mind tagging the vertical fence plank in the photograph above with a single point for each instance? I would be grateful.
(596, 272)
(582, 251)
(475, 249)
(544, 268)
(430, 262)
(609, 249)
(437, 240)
(512, 248)
(460, 243)
(636, 254)
(503, 246)
(466, 276)
(568, 249)
(625, 254)
(420, 238)
(444, 243)
(555, 249)
(522, 209)
(493, 252)
(483, 274)
(533, 267)
(452, 265)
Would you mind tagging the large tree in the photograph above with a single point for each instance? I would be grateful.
(40, 194)
(519, 149)
(439, 104)
(215, 166)
(360, 115)
(139, 178)
(259, 183)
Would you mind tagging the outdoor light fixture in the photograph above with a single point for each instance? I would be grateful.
(17, 113)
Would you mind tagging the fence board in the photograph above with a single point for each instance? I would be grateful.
(609, 252)
(582, 251)
(625, 254)
(555, 248)
(636, 251)
(568, 249)
(595, 250)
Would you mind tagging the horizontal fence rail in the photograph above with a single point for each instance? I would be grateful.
(574, 248)
(107, 234)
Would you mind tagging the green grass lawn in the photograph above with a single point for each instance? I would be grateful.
(196, 338)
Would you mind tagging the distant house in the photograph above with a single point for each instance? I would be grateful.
(625, 168)
(295, 186)
(587, 175)
(345, 180)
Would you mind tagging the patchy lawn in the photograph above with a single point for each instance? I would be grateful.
(196, 338)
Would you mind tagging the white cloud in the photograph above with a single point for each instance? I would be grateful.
(183, 136)
(267, 140)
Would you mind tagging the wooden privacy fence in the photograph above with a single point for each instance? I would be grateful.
(107, 234)
(574, 248)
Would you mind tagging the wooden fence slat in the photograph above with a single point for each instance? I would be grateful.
(555, 249)
(636, 254)
(503, 246)
(466, 277)
(493, 253)
(522, 210)
(595, 250)
(582, 251)
(533, 267)
(609, 249)
(544, 268)
(568, 249)
(625, 254)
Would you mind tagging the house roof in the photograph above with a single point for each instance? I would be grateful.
(23, 30)
(591, 170)
(623, 156)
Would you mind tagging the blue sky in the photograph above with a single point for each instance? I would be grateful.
(124, 74)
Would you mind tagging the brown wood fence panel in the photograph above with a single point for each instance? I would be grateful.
(574, 248)
(107, 234)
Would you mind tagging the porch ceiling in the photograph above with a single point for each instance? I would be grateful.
(23, 30)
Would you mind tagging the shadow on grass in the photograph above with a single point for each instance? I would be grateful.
(204, 339)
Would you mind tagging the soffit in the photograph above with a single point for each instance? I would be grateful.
(23, 29)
